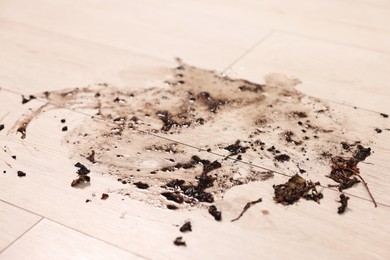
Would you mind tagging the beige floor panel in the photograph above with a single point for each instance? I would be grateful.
(327, 70)
(49, 240)
(359, 25)
(146, 28)
(339, 50)
(38, 61)
(14, 222)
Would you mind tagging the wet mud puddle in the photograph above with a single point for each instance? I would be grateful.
(187, 143)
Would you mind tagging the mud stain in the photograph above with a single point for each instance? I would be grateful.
(138, 135)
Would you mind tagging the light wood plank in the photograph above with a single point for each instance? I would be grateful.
(49, 240)
(349, 23)
(39, 61)
(145, 28)
(14, 222)
(327, 70)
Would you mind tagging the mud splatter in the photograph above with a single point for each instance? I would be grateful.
(137, 135)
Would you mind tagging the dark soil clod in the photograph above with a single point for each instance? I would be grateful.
(91, 157)
(141, 185)
(296, 188)
(344, 203)
(21, 174)
(28, 99)
(346, 173)
(282, 157)
(215, 213)
(104, 196)
(1, 127)
(82, 169)
(186, 227)
(179, 242)
(236, 148)
(172, 207)
(80, 181)
(173, 196)
(362, 153)
(384, 115)
(64, 129)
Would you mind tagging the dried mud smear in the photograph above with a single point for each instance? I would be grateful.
(269, 124)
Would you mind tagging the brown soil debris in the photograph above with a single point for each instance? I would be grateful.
(345, 170)
(296, 188)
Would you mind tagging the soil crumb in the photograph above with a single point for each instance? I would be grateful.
(215, 213)
(81, 181)
(179, 242)
(104, 196)
(187, 227)
(345, 171)
(344, 203)
(21, 174)
(296, 188)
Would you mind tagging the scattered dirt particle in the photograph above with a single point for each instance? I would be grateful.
(236, 148)
(179, 242)
(13, 157)
(344, 203)
(384, 115)
(296, 188)
(1, 127)
(186, 227)
(345, 171)
(282, 157)
(362, 153)
(22, 130)
(91, 157)
(172, 207)
(21, 174)
(299, 114)
(215, 213)
(82, 170)
(247, 206)
(27, 99)
(173, 196)
(104, 196)
(63, 121)
(265, 212)
(64, 129)
(141, 185)
(81, 181)
(378, 130)
(88, 200)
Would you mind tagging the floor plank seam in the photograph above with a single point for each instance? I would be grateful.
(20, 236)
(59, 223)
(254, 46)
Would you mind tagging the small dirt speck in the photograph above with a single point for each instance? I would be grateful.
(21, 174)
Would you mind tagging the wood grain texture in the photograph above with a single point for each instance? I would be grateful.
(14, 222)
(327, 70)
(49, 240)
(338, 49)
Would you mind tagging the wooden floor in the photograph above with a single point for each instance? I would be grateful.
(340, 50)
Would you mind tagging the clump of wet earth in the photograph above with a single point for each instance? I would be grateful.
(200, 135)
